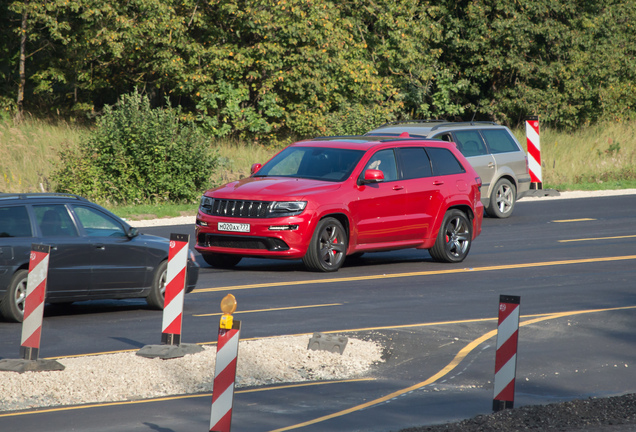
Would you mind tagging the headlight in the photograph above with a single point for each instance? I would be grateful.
(206, 204)
(287, 208)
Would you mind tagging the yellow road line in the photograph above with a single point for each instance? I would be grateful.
(454, 363)
(423, 273)
(272, 309)
(597, 238)
(172, 398)
(447, 369)
(573, 220)
(362, 329)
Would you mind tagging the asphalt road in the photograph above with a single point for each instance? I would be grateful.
(572, 262)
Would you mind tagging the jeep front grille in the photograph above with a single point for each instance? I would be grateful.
(238, 208)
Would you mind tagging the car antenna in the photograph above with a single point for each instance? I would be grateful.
(472, 121)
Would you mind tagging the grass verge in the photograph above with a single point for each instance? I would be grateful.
(593, 158)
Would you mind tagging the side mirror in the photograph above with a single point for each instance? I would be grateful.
(255, 168)
(132, 232)
(372, 176)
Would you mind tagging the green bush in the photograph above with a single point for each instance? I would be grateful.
(138, 155)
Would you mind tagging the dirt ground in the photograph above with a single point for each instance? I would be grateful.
(614, 414)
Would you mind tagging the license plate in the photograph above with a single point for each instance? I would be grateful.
(234, 227)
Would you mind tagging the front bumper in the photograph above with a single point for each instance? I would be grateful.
(287, 237)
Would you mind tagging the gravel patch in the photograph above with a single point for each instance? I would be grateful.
(181, 220)
(126, 376)
(614, 414)
(581, 194)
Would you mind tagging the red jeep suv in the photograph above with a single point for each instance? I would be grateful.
(320, 200)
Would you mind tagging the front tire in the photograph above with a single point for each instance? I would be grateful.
(222, 261)
(156, 298)
(328, 247)
(453, 239)
(502, 200)
(12, 305)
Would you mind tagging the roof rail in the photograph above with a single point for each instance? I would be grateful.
(469, 123)
(333, 137)
(409, 138)
(397, 122)
(29, 195)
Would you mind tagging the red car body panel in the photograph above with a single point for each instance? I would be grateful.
(377, 216)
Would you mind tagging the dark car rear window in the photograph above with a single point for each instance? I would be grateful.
(14, 222)
(444, 162)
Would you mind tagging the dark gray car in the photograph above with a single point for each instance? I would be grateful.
(94, 253)
(491, 149)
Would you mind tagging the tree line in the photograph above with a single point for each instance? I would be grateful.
(270, 69)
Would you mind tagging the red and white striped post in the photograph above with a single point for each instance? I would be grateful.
(506, 356)
(225, 368)
(534, 152)
(175, 289)
(34, 302)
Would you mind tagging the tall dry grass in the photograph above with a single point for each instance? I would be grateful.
(598, 156)
(236, 159)
(602, 155)
(29, 152)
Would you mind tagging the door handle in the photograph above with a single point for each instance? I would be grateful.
(438, 183)
(491, 165)
(100, 246)
(397, 188)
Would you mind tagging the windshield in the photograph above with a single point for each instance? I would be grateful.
(330, 164)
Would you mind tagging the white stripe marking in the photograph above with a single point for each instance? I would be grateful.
(533, 136)
(221, 406)
(32, 323)
(226, 354)
(505, 375)
(508, 327)
(172, 310)
(176, 264)
(37, 275)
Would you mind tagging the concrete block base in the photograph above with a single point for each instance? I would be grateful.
(21, 366)
(331, 343)
(537, 193)
(169, 351)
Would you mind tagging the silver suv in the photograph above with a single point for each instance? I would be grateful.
(490, 148)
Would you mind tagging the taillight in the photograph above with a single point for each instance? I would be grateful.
(478, 181)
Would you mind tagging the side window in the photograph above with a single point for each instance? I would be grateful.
(98, 224)
(54, 221)
(445, 137)
(444, 162)
(469, 143)
(414, 163)
(499, 141)
(384, 160)
(14, 222)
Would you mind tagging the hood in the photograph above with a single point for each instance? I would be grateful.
(272, 188)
